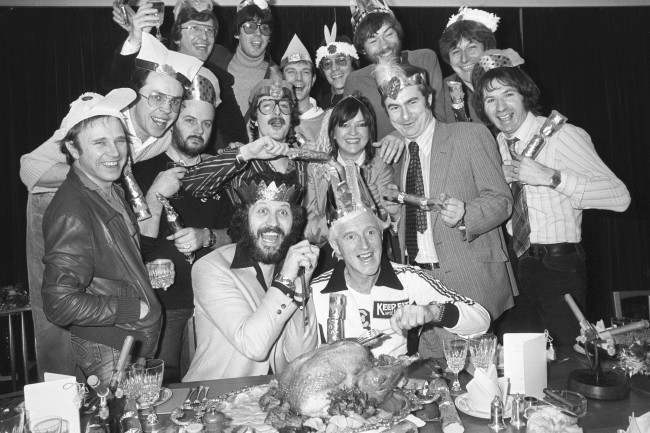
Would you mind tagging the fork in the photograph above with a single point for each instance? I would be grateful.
(205, 396)
(197, 400)
(188, 401)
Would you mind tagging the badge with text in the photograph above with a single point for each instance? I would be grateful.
(385, 309)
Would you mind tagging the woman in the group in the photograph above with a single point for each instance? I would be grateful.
(335, 59)
(352, 130)
(468, 35)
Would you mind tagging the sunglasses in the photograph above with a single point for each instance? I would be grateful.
(157, 100)
(328, 62)
(267, 106)
(251, 27)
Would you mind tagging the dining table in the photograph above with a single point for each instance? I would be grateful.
(601, 417)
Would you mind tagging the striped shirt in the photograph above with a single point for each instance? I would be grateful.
(555, 215)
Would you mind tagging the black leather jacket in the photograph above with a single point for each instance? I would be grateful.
(94, 276)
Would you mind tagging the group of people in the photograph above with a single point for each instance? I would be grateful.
(290, 201)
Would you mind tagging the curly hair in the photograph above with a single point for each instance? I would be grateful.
(371, 24)
(514, 77)
(253, 128)
(468, 30)
(344, 111)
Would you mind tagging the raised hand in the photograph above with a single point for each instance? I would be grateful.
(263, 148)
(167, 182)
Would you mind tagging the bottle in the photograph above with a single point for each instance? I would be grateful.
(116, 403)
(213, 421)
(174, 221)
(129, 421)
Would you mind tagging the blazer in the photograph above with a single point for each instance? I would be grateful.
(94, 276)
(465, 164)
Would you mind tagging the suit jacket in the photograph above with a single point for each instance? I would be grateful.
(241, 328)
(465, 164)
(94, 276)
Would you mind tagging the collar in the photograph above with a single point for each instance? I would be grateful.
(359, 161)
(137, 145)
(525, 131)
(387, 277)
(314, 111)
(242, 258)
(178, 158)
(88, 182)
(247, 61)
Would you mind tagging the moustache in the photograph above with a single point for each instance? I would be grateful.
(271, 229)
(276, 121)
(195, 137)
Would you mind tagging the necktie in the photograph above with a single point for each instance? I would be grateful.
(416, 218)
(520, 223)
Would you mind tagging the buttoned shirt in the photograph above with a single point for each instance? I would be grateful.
(396, 285)
(555, 215)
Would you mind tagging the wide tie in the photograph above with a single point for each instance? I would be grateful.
(416, 218)
(520, 222)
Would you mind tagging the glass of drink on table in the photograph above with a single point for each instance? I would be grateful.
(482, 350)
(455, 354)
(160, 8)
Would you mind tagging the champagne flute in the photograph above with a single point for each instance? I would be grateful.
(455, 354)
(160, 9)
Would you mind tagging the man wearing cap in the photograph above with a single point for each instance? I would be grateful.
(550, 190)
(298, 70)
(247, 295)
(462, 244)
(381, 295)
(193, 33)
(45, 168)
(378, 35)
(95, 282)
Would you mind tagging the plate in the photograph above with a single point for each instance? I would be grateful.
(165, 395)
(463, 404)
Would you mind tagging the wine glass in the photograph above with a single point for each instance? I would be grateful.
(482, 349)
(161, 273)
(455, 354)
(160, 9)
(148, 377)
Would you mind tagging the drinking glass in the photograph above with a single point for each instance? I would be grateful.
(482, 350)
(149, 377)
(161, 273)
(12, 420)
(160, 8)
(455, 354)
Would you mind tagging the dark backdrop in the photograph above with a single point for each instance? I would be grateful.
(591, 63)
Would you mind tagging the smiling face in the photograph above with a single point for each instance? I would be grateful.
(504, 106)
(336, 70)
(464, 56)
(410, 113)
(102, 150)
(301, 76)
(269, 224)
(151, 121)
(197, 38)
(385, 44)
(276, 124)
(358, 243)
(253, 44)
(193, 127)
(352, 137)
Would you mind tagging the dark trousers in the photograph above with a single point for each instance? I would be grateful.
(544, 278)
(94, 358)
(170, 344)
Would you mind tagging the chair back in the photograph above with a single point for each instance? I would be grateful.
(619, 296)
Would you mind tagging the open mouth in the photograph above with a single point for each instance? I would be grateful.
(159, 121)
(366, 257)
(111, 164)
(504, 118)
(276, 122)
(270, 237)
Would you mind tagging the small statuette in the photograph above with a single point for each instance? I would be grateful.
(496, 415)
(517, 415)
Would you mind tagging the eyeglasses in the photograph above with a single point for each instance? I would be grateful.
(251, 27)
(267, 106)
(328, 62)
(197, 30)
(157, 100)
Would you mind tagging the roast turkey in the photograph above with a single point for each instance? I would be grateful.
(306, 383)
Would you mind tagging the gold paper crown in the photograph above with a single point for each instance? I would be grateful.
(507, 58)
(253, 192)
(392, 78)
(351, 194)
(362, 8)
(204, 87)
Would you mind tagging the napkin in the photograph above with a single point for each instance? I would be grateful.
(482, 388)
(639, 424)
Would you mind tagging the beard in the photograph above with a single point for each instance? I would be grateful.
(184, 145)
(268, 256)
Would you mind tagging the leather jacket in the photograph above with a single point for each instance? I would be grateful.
(94, 275)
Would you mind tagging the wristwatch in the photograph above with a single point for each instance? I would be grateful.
(555, 179)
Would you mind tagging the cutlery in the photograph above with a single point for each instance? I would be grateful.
(197, 400)
(188, 400)
(205, 396)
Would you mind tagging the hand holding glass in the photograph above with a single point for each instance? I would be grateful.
(161, 273)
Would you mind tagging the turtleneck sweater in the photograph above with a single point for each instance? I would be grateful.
(248, 71)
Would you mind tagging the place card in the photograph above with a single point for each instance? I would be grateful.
(524, 363)
(57, 397)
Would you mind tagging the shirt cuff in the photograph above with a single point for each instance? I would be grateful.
(450, 315)
(571, 184)
(128, 310)
(129, 48)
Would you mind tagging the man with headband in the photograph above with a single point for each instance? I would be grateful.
(378, 35)
(381, 296)
(159, 87)
(550, 190)
(95, 283)
(458, 163)
(247, 295)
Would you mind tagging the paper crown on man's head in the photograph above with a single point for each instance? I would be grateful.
(295, 52)
(197, 5)
(489, 20)
(275, 88)
(204, 87)
(154, 56)
(492, 59)
(257, 190)
(262, 4)
(333, 47)
(393, 77)
(360, 9)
